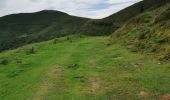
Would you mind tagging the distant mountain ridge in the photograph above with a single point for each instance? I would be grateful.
(108, 25)
(24, 28)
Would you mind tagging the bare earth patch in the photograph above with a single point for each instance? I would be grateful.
(118, 58)
(95, 84)
(143, 94)
(166, 97)
(43, 89)
(91, 61)
(136, 64)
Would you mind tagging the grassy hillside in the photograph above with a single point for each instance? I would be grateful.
(81, 68)
(74, 67)
(108, 25)
(20, 29)
(149, 33)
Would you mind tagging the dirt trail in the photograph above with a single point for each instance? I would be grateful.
(95, 84)
(166, 97)
(52, 76)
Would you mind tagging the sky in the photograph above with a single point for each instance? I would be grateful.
(84, 8)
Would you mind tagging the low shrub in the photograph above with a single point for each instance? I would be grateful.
(167, 57)
(163, 17)
(4, 62)
(55, 41)
(31, 51)
(161, 39)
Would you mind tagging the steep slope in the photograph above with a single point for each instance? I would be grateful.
(20, 29)
(149, 32)
(82, 69)
(108, 25)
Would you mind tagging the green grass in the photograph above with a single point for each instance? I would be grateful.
(102, 72)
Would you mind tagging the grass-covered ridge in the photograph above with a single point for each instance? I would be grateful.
(86, 68)
(108, 25)
(148, 32)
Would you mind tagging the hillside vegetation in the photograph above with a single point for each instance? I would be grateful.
(81, 69)
(148, 33)
(20, 29)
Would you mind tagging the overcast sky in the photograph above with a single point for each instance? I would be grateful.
(83, 8)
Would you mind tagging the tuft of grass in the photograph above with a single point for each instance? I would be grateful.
(4, 62)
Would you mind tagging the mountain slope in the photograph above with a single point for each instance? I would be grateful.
(82, 69)
(108, 25)
(20, 29)
(148, 32)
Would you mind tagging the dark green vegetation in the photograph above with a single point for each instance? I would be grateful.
(20, 29)
(148, 33)
(84, 69)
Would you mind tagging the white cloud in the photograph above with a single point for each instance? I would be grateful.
(74, 7)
